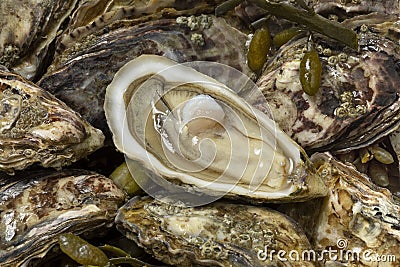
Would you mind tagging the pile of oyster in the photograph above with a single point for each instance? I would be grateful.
(237, 166)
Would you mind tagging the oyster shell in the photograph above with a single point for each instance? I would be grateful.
(93, 15)
(27, 30)
(35, 127)
(37, 207)
(352, 8)
(185, 126)
(219, 234)
(358, 91)
(364, 216)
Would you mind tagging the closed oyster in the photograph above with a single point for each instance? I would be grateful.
(93, 15)
(189, 128)
(93, 60)
(356, 216)
(27, 30)
(35, 127)
(359, 90)
(219, 234)
(37, 207)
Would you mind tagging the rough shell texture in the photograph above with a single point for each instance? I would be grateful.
(35, 127)
(344, 8)
(358, 211)
(358, 91)
(394, 140)
(37, 207)
(89, 60)
(23, 25)
(219, 234)
(93, 15)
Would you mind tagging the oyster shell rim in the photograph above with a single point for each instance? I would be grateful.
(114, 105)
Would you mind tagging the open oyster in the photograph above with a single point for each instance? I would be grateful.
(37, 207)
(187, 127)
(219, 234)
(35, 127)
(359, 218)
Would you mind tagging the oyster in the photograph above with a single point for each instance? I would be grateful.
(185, 126)
(38, 207)
(363, 217)
(35, 127)
(219, 234)
(27, 30)
(93, 15)
(358, 91)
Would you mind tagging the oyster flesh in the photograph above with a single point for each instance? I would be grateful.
(362, 215)
(38, 207)
(219, 234)
(35, 127)
(187, 127)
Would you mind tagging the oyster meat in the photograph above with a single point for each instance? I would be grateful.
(35, 127)
(37, 207)
(364, 216)
(219, 234)
(185, 126)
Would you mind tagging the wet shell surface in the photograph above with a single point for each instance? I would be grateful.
(185, 126)
(37, 207)
(219, 234)
(35, 127)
